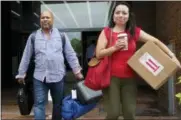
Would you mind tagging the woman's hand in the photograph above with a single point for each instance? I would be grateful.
(120, 44)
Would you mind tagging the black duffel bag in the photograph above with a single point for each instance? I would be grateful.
(25, 98)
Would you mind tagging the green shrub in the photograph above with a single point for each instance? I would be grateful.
(178, 95)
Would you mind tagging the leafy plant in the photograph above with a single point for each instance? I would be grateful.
(178, 95)
(76, 44)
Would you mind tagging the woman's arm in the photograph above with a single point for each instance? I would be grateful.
(101, 50)
(144, 37)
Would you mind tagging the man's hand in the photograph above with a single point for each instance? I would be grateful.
(21, 81)
(79, 76)
(20, 78)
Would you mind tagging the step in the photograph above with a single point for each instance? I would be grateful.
(146, 100)
(48, 117)
(137, 118)
(146, 97)
(148, 112)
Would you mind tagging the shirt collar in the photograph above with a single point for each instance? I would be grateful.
(51, 30)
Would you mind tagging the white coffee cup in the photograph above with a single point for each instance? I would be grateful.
(125, 37)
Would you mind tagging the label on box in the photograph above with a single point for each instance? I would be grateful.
(74, 94)
(151, 64)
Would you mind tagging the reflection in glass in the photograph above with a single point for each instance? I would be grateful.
(79, 14)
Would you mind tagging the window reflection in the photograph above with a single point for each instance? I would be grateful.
(75, 40)
(79, 14)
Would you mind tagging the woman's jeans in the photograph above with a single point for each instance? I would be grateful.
(41, 96)
(120, 93)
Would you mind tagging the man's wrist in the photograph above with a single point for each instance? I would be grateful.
(77, 71)
(20, 76)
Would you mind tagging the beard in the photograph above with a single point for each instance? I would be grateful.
(46, 26)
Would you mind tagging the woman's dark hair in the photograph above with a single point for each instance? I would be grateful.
(131, 24)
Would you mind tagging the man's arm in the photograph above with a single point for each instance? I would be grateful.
(25, 60)
(71, 57)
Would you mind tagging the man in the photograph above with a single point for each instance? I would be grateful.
(49, 66)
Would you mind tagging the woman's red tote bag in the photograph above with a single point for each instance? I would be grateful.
(98, 76)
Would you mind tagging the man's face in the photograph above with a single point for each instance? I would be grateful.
(46, 20)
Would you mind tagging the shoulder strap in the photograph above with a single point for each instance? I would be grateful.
(33, 43)
(110, 37)
(34, 34)
(63, 41)
(33, 40)
(62, 35)
(31, 66)
(109, 45)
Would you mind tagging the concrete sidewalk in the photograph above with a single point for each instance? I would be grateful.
(10, 110)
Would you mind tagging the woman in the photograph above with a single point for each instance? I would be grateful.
(122, 89)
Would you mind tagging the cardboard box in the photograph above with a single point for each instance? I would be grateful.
(152, 64)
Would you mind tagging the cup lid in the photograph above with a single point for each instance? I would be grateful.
(122, 35)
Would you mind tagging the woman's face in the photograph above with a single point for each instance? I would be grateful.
(121, 15)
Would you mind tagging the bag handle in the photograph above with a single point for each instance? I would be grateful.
(110, 38)
(109, 45)
(94, 61)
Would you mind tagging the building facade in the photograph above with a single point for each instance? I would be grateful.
(83, 21)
